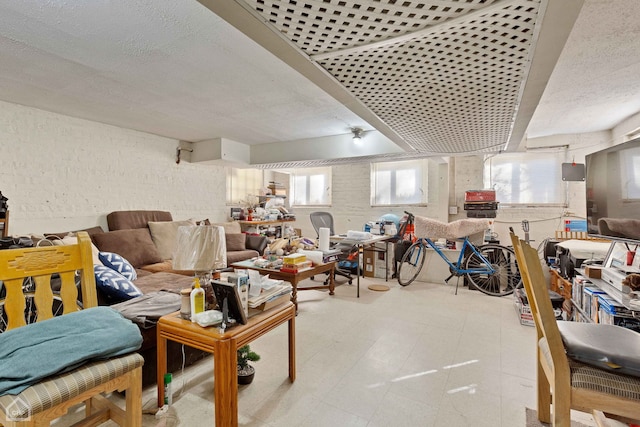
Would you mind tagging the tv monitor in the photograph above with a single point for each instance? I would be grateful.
(613, 192)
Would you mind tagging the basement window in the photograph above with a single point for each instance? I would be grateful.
(399, 183)
(527, 178)
(311, 186)
(243, 182)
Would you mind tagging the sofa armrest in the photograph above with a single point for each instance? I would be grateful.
(257, 243)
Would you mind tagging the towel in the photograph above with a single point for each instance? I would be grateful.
(36, 351)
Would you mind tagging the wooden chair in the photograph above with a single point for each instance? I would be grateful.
(563, 383)
(52, 397)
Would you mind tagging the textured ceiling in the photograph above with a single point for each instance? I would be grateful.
(445, 75)
(431, 76)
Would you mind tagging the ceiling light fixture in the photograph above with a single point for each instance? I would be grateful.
(357, 135)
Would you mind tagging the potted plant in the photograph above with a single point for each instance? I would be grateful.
(246, 372)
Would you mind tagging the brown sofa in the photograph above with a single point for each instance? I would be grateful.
(143, 237)
(147, 239)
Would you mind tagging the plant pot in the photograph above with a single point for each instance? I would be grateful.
(246, 376)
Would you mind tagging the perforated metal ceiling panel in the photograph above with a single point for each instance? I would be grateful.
(445, 75)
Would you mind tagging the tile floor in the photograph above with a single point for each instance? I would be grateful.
(412, 356)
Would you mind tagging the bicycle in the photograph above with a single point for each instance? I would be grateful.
(490, 268)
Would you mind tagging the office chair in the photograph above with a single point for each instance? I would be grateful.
(325, 220)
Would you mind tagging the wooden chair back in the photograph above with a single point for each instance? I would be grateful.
(53, 396)
(40, 264)
(544, 317)
(594, 390)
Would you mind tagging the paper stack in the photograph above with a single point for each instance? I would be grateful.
(271, 297)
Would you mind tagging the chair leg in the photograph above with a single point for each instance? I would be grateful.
(561, 402)
(134, 399)
(544, 396)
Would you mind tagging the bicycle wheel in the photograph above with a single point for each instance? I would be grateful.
(503, 260)
(411, 264)
(31, 311)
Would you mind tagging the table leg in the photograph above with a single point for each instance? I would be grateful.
(386, 260)
(292, 349)
(294, 292)
(225, 388)
(161, 360)
(360, 246)
(332, 283)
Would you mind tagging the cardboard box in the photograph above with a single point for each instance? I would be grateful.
(380, 272)
(593, 272)
(369, 262)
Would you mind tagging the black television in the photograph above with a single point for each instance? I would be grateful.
(613, 192)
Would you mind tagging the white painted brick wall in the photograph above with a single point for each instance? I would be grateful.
(61, 173)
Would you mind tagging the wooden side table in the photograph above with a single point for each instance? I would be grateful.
(295, 278)
(223, 346)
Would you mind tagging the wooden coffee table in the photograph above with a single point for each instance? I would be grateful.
(224, 346)
(294, 278)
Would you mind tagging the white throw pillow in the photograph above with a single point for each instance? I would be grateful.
(165, 236)
(73, 240)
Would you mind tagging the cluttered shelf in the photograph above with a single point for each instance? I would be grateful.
(593, 300)
(266, 222)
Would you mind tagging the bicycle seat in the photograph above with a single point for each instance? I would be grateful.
(459, 229)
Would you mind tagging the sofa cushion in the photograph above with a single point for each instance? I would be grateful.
(114, 285)
(158, 267)
(90, 231)
(126, 220)
(119, 264)
(230, 227)
(165, 235)
(235, 241)
(71, 239)
(164, 281)
(237, 256)
(135, 246)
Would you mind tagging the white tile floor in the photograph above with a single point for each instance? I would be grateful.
(412, 356)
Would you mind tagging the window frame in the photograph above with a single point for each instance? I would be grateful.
(421, 181)
(295, 174)
(555, 156)
(237, 196)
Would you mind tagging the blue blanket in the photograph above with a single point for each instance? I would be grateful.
(57, 345)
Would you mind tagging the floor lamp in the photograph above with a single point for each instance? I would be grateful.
(201, 248)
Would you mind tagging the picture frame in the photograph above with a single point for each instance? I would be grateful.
(229, 291)
(236, 213)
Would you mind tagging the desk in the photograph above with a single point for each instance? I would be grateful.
(294, 278)
(361, 244)
(224, 348)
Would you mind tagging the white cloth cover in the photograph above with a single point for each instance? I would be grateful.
(200, 248)
(434, 229)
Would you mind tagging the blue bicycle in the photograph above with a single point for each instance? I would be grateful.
(491, 268)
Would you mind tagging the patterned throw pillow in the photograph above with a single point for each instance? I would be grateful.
(114, 285)
(119, 264)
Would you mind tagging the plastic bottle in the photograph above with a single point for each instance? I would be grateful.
(197, 299)
(168, 392)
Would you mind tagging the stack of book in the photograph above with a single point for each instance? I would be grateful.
(271, 297)
(295, 263)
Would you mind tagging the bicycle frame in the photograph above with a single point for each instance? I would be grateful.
(457, 267)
